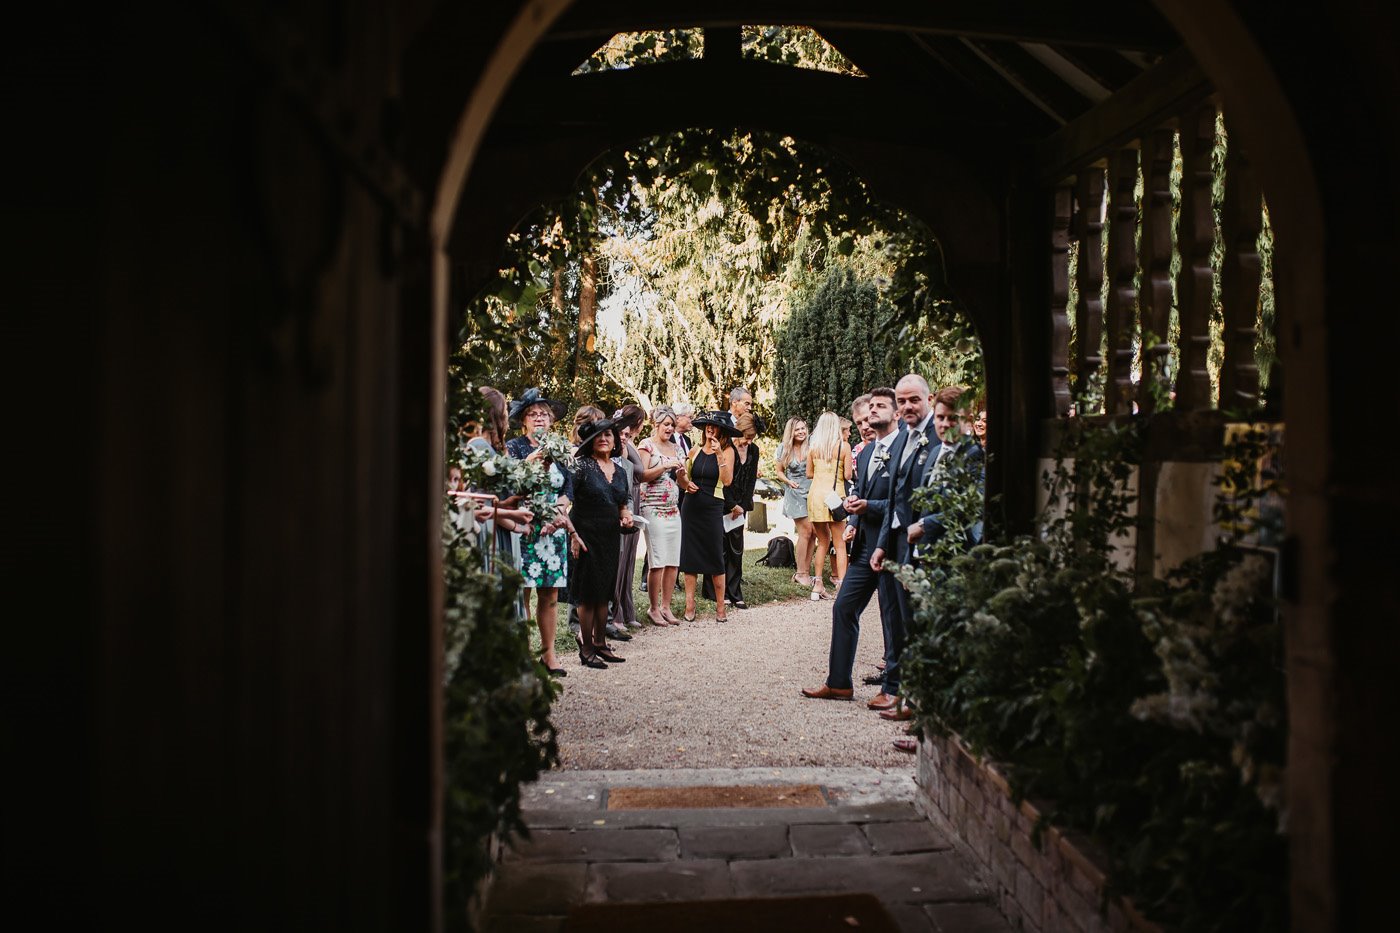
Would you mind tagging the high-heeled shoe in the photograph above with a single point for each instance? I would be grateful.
(607, 655)
(689, 616)
(593, 662)
(818, 595)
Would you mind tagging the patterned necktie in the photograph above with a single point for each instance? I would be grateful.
(909, 446)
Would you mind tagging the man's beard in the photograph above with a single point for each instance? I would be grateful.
(878, 426)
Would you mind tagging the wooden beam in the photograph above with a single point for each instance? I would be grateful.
(1087, 227)
(1146, 103)
(1092, 23)
(1240, 220)
(1107, 67)
(1031, 79)
(737, 92)
(1061, 205)
(1158, 149)
(1122, 270)
(1196, 238)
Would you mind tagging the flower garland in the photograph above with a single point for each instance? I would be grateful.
(556, 448)
(502, 475)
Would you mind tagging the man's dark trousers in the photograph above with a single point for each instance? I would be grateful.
(859, 584)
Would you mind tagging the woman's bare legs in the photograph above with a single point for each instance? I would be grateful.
(690, 596)
(656, 579)
(839, 572)
(821, 532)
(547, 617)
(804, 551)
(717, 581)
(668, 586)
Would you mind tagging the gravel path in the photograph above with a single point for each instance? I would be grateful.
(707, 695)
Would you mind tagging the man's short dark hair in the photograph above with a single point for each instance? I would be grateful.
(884, 392)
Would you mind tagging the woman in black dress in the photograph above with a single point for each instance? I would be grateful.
(709, 470)
(600, 513)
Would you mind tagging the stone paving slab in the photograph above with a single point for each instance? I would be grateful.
(872, 839)
(843, 785)
(754, 842)
(905, 837)
(597, 845)
(966, 918)
(933, 876)
(521, 923)
(677, 881)
(886, 812)
(538, 888)
(826, 840)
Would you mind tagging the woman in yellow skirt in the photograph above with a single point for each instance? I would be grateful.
(827, 457)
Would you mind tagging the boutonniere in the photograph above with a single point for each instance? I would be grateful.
(921, 442)
(882, 456)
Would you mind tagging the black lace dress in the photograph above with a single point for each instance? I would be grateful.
(593, 576)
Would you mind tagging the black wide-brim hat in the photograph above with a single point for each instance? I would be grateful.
(533, 397)
(720, 419)
(588, 433)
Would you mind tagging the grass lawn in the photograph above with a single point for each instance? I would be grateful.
(761, 585)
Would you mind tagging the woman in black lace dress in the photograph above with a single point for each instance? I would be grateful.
(600, 513)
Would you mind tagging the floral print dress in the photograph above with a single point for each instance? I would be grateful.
(544, 559)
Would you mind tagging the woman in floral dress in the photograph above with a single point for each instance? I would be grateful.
(544, 544)
(661, 460)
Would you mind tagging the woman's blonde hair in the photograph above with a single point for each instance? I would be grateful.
(786, 455)
(826, 438)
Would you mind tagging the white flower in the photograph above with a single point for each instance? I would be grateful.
(552, 563)
(556, 478)
(488, 468)
(535, 570)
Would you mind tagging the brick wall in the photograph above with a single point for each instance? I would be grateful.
(1050, 887)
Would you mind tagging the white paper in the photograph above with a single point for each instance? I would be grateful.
(731, 523)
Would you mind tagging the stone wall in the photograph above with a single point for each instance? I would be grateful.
(1050, 886)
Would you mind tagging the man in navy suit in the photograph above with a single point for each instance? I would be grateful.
(912, 457)
(956, 448)
(866, 506)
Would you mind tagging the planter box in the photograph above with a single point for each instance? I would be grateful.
(1049, 887)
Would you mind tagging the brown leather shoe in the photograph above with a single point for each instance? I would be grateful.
(897, 715)
(906, 745)
(883, 701)
(828, 693)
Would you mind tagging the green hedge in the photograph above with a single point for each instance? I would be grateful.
(497, 729)
(1151, 716)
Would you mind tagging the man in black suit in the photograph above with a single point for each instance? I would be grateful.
(866, 506)
(912, 456)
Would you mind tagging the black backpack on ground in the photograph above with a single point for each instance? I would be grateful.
(780, 553)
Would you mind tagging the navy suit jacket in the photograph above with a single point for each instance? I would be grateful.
(875, 490)
(905, 480)
(970, 451)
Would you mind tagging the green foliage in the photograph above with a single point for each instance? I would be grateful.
(832, 348)
(627, 49)
(496, 716)
(798, 46)
(1150, 717)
